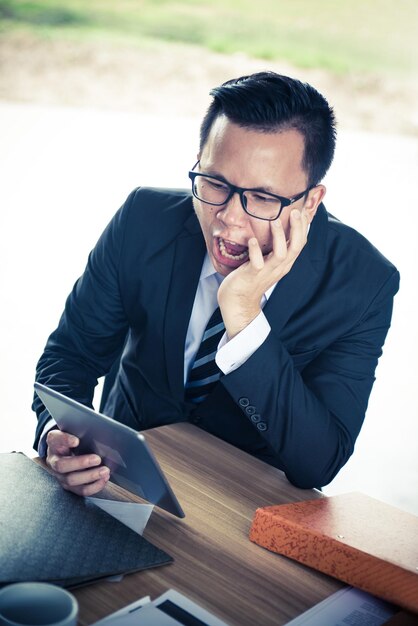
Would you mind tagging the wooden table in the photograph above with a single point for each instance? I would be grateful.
(215, 564)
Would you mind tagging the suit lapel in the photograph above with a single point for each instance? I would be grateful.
(187, 265)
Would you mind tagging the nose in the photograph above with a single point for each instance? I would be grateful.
(232, 213)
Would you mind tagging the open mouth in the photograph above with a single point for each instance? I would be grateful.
(232, 251)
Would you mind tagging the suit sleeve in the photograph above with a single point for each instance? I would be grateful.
(93, 327)
(311, 416)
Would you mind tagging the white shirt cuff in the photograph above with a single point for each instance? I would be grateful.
(42, 446)
(233, 353)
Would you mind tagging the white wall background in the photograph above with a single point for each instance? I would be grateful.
(64, 172)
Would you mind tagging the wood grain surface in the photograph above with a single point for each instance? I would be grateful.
(215, 564)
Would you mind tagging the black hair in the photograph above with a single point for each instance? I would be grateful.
(268, 102)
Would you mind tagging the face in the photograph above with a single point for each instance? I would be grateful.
(250, 159)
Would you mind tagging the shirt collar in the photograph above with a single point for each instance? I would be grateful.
(209, 270)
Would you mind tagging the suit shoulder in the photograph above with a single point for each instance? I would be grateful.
(153, 217)
(159, 199)
(157, 207)
(161, 194)
(353, 244)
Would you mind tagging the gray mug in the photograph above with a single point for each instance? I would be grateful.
(37, 604)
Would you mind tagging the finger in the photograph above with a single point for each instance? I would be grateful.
(298, 231)
(84, 477)
(62, 464)
(87, 490)
(279, 239)
(60, 442)
(255, 254)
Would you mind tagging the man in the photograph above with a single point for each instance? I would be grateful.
(304, 301)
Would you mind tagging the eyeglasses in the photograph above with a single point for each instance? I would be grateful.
(257, 203)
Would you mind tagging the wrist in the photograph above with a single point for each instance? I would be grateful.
(236, 321)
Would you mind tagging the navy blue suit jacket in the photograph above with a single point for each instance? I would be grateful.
(298, 402)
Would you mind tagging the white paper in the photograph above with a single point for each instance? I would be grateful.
(347, 607)
(187, 605)
(110, 620)
(132, 514)
(151, 615)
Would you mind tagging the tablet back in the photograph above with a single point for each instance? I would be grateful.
(123, 450)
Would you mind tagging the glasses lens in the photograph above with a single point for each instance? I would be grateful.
(262, 205)
(210, 190)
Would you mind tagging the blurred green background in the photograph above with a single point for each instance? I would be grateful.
(356, 36)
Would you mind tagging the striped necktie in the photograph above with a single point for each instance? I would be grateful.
(204, 373)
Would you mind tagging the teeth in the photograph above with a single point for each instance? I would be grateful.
(235, 257)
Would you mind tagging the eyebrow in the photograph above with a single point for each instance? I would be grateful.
(261, 189)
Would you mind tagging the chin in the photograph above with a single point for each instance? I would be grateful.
(220, 267)
(223, 268)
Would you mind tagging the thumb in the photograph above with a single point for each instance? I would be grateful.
(60, 442)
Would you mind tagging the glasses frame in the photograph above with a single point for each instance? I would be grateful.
(233, 189)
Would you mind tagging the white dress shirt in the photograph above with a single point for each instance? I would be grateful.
(231, 352)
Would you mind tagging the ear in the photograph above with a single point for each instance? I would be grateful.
(313, 201)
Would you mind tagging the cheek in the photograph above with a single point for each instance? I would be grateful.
(201, 215)
(206, 214)
(264, 238)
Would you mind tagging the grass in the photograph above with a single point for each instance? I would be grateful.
(343, 37)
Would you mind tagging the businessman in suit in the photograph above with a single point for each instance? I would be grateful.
(284, 367)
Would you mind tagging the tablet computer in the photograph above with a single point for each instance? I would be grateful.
(122, 449)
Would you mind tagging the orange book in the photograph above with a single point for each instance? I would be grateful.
(357, 539)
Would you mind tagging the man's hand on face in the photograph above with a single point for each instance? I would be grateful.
(81, 474)
(240, 293)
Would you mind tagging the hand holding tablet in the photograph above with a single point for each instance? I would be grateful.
(121, 449)
(83, 474)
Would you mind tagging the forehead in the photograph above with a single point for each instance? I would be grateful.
(247, 153)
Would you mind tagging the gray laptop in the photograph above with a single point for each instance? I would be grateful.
(123, 450)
